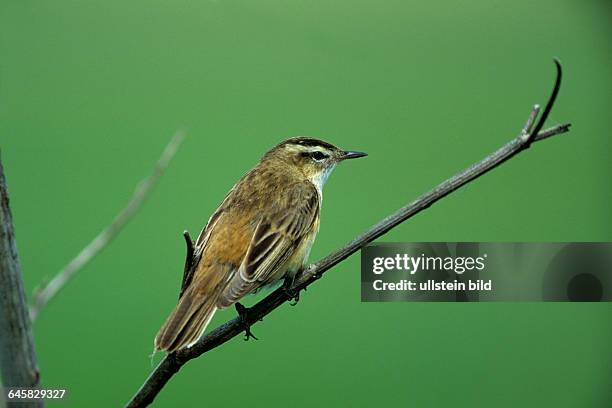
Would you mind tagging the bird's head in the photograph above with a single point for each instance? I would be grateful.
(315, 158)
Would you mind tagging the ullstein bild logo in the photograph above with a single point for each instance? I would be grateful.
(469, 271)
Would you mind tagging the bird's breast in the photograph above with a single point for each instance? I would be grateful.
(300, 257)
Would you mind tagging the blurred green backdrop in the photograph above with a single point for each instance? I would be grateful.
(91, 91)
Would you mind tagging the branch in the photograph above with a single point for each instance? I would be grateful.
(143, 189)
(18, 364)
(173, 362)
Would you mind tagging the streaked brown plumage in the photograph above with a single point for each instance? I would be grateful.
(261, 233)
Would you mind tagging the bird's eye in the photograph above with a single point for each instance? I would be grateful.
(318, 155)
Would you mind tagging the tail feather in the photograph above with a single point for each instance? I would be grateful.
(192, 331)
(187, 321)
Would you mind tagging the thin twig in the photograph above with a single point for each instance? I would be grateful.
(531, 120)
(143, 189)
(18, 364)
(173, 362)
(553, 131)
(189, 262)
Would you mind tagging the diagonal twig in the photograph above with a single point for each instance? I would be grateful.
(173, 362)
(143, 189)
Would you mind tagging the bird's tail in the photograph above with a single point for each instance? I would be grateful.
(187, 321)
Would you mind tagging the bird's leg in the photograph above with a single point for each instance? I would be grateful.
(293, 295)
(243, 314)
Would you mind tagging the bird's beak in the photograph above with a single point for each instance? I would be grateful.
(352, 155)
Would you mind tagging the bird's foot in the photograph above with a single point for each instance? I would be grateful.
(313, 275)
(243, 313)
(293, 295)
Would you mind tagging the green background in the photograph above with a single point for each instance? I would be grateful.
(91, 91)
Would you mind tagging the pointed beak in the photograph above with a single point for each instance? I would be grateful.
(352, 155)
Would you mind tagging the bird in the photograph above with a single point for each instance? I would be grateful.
(261, 234)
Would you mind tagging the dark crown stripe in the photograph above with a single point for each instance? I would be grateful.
(309, 142)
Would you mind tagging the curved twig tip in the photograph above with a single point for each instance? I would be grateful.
(549, 104)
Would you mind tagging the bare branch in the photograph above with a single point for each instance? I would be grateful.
(143, 189)
(18, 364)
(553, 131)
(173, 362)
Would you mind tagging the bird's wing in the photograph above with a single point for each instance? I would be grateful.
(206, 231)
(202, 242)
(274, 241)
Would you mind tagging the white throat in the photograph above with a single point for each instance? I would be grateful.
(320, 179)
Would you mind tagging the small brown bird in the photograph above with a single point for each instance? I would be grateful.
(261, 233)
